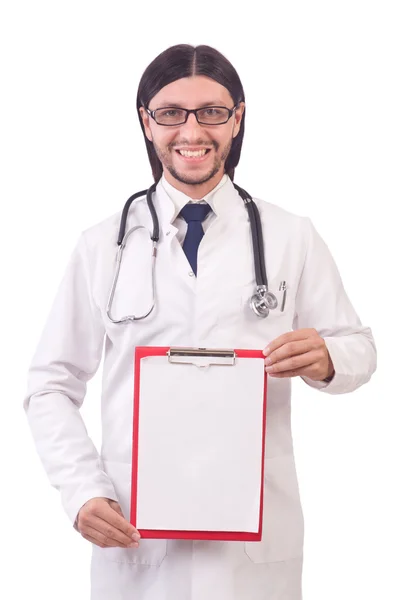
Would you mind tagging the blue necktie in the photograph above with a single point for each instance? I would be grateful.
(194, 215)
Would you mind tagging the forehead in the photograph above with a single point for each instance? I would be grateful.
(192, 92)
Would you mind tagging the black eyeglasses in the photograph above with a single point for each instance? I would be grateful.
(208, 115)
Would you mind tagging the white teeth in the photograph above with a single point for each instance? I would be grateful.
(188, 153)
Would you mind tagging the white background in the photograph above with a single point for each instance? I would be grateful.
(321, 129)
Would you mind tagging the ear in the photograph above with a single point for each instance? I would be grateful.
(146, 123)
(238, 115)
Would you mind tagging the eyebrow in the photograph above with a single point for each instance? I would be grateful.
(177, 105)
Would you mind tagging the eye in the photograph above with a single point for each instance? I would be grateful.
(170, 116)
(212, 112)
(169, 112)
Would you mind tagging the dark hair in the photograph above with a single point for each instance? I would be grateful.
(181, 61)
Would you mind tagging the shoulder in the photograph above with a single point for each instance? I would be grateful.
(277, 217)
(106, 231)
(292, 228)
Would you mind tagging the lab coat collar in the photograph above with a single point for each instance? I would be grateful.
(223, 199)
(180, 199)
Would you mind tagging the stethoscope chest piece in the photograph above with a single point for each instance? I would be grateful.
(262, 302)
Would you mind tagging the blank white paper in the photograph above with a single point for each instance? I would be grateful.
(200, 446)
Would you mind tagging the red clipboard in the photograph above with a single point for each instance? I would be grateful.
(147, 351)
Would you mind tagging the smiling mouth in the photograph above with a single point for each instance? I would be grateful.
(193, 153)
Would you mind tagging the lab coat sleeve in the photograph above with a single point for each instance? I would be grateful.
(322, 304)
(68, 355)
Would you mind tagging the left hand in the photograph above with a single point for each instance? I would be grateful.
(297, 353)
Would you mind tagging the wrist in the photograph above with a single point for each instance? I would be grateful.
(331, 371)
(330, 376)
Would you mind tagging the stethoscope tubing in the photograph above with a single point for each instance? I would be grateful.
(253, 214)
(123, 222)
(261, 301)
(257, 237)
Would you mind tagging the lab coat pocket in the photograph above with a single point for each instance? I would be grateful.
(282, 531)
(283, 294)
(278, 321)
(150, 553)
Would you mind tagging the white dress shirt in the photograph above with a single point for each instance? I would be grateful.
(180, 199)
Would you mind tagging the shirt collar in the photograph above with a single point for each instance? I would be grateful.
(179, 199)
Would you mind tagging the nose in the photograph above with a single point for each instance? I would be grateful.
(191, 127)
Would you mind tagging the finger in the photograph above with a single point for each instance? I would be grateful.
(106, 530)
(290, 349)
(116, 506)
(108, 514)
(312, 371)
(97, 542)
(290, 336)
(293, 363)
(107, 540)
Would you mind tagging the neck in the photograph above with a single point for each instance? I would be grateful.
(195, 192)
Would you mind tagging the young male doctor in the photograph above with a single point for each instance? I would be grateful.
(191, 107)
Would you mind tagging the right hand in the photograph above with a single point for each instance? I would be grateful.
(101, 521)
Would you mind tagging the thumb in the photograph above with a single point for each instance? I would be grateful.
(116, 506)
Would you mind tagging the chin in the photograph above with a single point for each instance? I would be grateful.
(191, 177)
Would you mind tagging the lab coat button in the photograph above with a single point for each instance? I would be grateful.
(191, 273)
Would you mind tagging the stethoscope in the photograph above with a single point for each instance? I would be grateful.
(262, 300)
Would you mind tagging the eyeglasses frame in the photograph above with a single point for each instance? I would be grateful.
(152, 113)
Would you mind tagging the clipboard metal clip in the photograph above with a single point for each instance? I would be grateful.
(202, 357)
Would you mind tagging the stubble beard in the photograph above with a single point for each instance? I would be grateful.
(165, 159)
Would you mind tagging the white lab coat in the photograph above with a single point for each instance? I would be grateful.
(210, 311)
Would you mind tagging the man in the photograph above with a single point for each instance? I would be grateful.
(191, 107)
